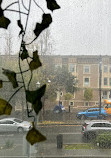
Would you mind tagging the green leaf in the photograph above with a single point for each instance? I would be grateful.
(24, 54)
(52, 5)
(34, 136)
(37, 106)
(4, 22)
(21, 27)
(33, 96)
(35, 63)
(5, 107)
(1, 83)
(46, 21)
(11, 76)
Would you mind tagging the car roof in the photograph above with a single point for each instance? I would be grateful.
(98, 121)
(8, 119)
(94, 108)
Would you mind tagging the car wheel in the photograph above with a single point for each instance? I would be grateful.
(20, 130)
(83, 117)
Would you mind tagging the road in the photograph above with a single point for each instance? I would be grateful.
(71, 133)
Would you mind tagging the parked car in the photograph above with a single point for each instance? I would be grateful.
(92, 113)
(14, 125)
(92, 128)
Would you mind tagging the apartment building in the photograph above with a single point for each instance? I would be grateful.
(88, 69)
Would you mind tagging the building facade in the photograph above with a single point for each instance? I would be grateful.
(89, 71)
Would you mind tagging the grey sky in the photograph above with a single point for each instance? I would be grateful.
(83, 27)
(80, 27)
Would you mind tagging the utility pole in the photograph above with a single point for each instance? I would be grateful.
(100, 76)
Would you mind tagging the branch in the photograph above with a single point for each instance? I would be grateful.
(22, 71)
(15, 93)
(38, 6)
(24, 5)
(10, 5)
(15, 11)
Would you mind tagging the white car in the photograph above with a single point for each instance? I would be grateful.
(14, 125)
(92, 128)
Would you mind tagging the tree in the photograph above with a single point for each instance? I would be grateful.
(33, 62)
(88, 94)
(64, 80)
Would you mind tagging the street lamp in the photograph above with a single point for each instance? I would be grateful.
(37, 84)
(100, 75)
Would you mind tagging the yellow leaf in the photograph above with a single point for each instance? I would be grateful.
(34, 136)
(5, 107)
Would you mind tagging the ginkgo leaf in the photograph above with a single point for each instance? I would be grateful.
(21, 27)
(5, 107)
(24, 54)
(37, 106)
(46, 21)
(33, 96)
(52, 5)
(34, 136)
(1, 83)
(4, 22)
(12, 77)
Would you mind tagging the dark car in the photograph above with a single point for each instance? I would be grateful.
(91, 113)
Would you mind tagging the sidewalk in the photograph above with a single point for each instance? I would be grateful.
(50, 150)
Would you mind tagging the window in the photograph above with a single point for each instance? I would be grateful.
(105, 94)
(110, 94)
(105, 68)
(110, 68)
(86, 103)
(72, 68)
(86, 69)
(109, 81)
(105, 81)
(86, 81)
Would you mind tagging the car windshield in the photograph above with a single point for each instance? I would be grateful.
(18, 120)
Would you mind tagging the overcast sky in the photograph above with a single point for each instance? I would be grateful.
(80, 27)
(83, 27)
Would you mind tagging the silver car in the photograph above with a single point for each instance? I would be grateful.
(92, 128)
(14, 124)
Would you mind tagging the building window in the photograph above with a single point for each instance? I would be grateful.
(86, 69)
(110, 94)
(71, 103)
(109, 81)
(72, 68)
(86, 104)
(110, 68)
(86, 81)
(105, 81)
(105, 68)
(105, 94)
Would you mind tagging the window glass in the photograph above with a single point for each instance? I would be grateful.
(86, 81)
(105, 94)
(72, 68)
(110, 68)
(86, 69)
(105, 81)
(105, 68)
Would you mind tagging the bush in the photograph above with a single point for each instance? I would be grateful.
(104, 140)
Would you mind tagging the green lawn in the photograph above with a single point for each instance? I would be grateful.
(79, 146)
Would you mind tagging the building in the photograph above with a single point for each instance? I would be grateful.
(87, 70)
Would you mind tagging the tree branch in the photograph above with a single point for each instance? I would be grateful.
(15, 11)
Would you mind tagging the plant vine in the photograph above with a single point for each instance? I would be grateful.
(33, 62)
